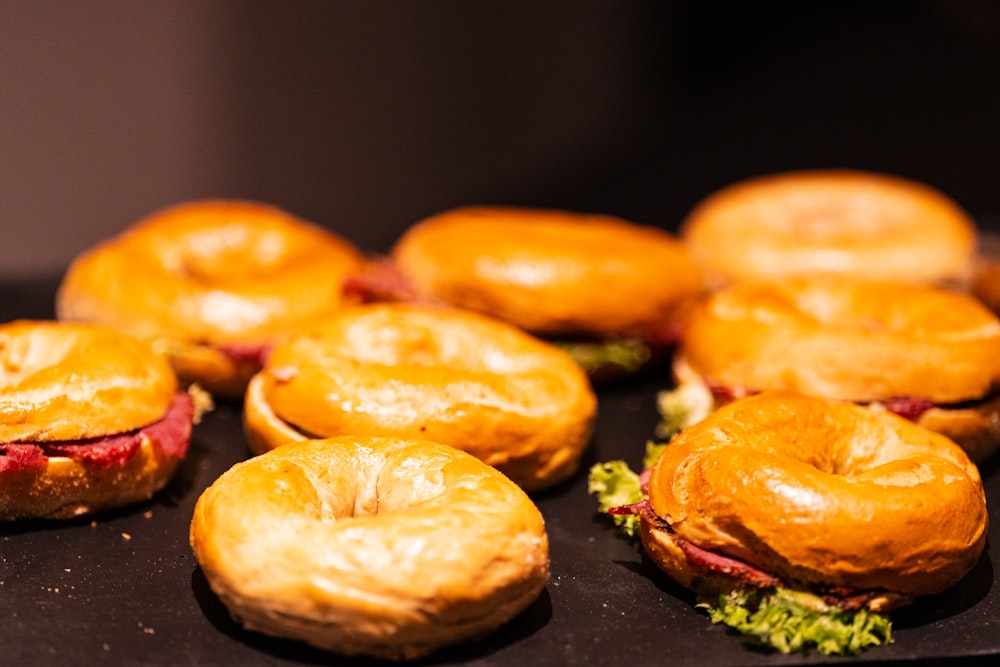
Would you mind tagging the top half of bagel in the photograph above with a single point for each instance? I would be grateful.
(547, 271)
(210, 271)
(61, 381)
(844, 338)
(850, 222)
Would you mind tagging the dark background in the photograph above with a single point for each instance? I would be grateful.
(367, 116)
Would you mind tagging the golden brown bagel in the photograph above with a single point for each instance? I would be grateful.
(370, 546)
(550, 272)
(985, 283)
(428, 372)
(820, 494)
(837, 221)
(854, 340)
(213, 283)
(78, 385)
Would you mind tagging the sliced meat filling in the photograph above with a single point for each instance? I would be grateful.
(909, 407)
(744, 573)
(172, 433)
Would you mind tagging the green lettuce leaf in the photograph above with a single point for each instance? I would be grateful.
(615, 484)
(790, 621)
(681, 407)
(626, 355)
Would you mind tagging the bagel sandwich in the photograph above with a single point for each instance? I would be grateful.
(213, 283)
(90, 420)
(803, 522)
(414, 371)
(612, 293)
(926, 353)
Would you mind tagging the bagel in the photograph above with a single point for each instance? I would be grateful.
(213, 283)
(370, 546)
(789, 490)
(90, 419)
(985, 284)
(428, 372)
(566, 276)
(922, 351)
(857, 223)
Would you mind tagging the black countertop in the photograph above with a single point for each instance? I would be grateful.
(125, 589)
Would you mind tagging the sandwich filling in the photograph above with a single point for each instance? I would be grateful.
(172, 433)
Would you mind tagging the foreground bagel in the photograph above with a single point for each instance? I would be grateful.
(370, 546)
(90, 419)
(924, 352)
(428, 372)
(857, 505)
(832, 222)
(214, 283)
(558, 274)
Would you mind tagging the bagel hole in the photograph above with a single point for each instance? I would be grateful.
(225, 254)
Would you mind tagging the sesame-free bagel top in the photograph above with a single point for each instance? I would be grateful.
(831, 221)
(844, 338)
(547, 271)
(429, 372)
(61, 381)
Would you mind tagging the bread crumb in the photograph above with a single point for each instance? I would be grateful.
(126, 537)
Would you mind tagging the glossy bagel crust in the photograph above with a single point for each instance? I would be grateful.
(61, 381)
(547, 271)
(821, 492)
(370, 546)
(834, 221)
(846, 339)
(203, 275)
(428, 372)
(68, 382)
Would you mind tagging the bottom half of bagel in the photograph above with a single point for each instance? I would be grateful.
(370, 546)
(67, 479)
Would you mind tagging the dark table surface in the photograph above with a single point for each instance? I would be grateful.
(125, 589)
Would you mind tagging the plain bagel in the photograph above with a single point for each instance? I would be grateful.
(428, 372)
(832, 222)
(213, 283)
(90, 419)
(925, 352)
(819, 495)
(370, 546)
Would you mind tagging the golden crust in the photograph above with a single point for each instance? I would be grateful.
(201, 275)
(836, 221)
(823, 492)
(370, 546)
(985, 283)
(430, 372)
(61, 381)
(551, 272)
(974, 427)
(846, 339)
